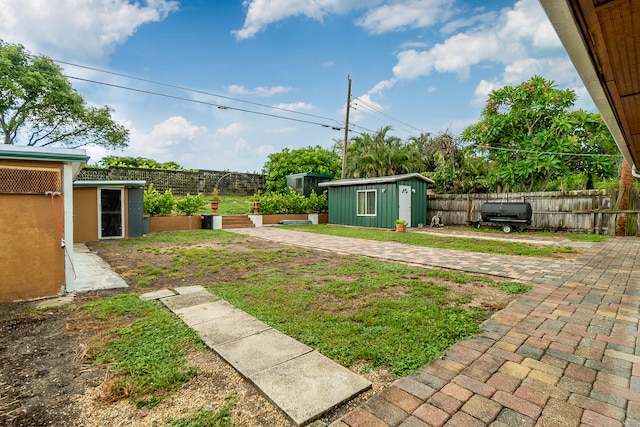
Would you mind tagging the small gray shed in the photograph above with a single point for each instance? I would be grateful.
(378, 202)
(304, 183)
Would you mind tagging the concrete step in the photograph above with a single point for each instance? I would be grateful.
(236, 221)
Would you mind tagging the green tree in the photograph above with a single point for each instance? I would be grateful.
(38, 106)
(382, 155)
(535, 139)
(286, 162)
(454, 167)
(137, 162)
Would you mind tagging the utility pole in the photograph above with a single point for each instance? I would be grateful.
(346, 131)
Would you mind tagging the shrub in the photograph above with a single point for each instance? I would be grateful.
(189, 204)
(318, 203)
(292, 203)
(156, 203)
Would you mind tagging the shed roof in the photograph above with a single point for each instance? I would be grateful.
(17, 152)
(311, 174)
(114, 183)
(376, 180)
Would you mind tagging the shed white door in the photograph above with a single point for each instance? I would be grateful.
(404, 203)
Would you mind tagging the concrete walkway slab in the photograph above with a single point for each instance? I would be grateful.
(258, 352)
(155, 295)
(189, 299)
(182, 290)
(307, 387)
(224, 330)
(205, 312)
(92, 272)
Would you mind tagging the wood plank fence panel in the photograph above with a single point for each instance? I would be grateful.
(583, 211)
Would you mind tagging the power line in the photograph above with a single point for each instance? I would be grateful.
(550, 152)
(377, 110)
(222, 107)
(193, 90)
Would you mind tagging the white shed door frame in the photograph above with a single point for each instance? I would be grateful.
(404, 203)
(110, 213)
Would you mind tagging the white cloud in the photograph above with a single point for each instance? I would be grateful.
(167, 140)
(506, 39)
(241, 146)
(483, 89)
(413, 45)
(262, 13)
(294, 106)
(232, 130)
(456, 55)
(86, 30)
(258, 91)
(265, 150)
(477, 19)
(176, 130)
(413, 64)
(564, 75)
(381, 85)
(527, 21)
(408, 14)
(289, 129)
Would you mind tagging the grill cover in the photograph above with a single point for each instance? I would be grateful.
(503, 211)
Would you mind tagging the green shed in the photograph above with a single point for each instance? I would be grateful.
(378, 202)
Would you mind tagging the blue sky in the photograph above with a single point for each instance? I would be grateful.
(416, 65)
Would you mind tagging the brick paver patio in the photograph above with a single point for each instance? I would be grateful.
(565, 354)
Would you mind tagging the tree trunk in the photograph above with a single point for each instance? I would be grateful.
(626, 181)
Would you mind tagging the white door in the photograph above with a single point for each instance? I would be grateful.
(404, 203)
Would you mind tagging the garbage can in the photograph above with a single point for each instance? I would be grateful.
(207, 221)
(146, 221)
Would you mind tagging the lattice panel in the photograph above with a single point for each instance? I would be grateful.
(17, 180)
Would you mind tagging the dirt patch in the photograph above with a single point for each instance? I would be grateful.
(45, 378)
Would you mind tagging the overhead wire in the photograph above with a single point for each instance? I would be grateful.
(220, 106)
(339, 126)
(193, 90)
(378, 111)
(550, 152)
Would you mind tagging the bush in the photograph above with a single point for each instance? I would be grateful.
(189, 204)
(293, 203)
(318, 203)
(156, 203)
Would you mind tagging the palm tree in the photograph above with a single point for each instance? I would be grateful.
(380, 155)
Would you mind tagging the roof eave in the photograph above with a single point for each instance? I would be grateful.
(564, 22)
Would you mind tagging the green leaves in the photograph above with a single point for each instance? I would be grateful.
(189, 205)
(38, 106)
(310, 159)
(156, 203)
(533, 138)
(293, 203)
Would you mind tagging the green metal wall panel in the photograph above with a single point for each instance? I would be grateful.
(418, 201)
(343, 204)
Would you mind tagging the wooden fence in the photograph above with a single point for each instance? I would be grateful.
(584, 211)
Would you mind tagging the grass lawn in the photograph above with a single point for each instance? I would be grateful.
(437, 241)
(229, 205)
(352, 309)
(596, 238)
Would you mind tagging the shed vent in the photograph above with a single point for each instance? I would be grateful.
(24, 180)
